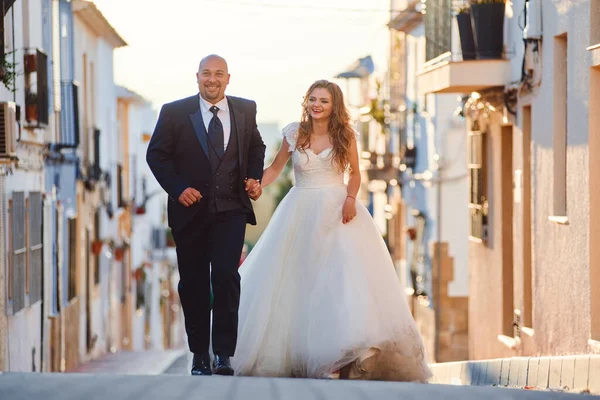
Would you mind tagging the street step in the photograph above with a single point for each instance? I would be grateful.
(577, 373)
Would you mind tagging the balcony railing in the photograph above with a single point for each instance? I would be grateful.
(463, 55)
(438, 28)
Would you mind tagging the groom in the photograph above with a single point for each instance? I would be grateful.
(207, 154)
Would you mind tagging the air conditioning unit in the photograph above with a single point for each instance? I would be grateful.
(533, 20)
(8, 129)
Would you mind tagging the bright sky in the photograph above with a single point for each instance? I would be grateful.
(275, 48)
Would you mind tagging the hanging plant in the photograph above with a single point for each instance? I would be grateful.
(378, 109)
(8, 72)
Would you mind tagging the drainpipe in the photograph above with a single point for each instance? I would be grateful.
(438, 265)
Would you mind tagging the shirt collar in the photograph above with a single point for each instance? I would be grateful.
(205, 105)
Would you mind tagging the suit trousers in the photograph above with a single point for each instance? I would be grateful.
(208, 251)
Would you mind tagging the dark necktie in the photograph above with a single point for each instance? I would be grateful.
(215, 132)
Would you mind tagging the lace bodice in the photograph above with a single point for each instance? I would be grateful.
(311, 170)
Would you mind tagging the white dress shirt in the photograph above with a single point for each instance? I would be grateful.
(223, 115)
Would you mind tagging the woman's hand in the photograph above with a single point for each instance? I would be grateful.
(349, 210)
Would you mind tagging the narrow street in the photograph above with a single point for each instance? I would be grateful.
(165, 375)
(21, 386)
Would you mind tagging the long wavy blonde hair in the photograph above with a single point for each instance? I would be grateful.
(340, 131)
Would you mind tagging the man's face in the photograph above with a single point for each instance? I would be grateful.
(213, 78)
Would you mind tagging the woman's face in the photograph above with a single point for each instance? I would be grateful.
(320, 104)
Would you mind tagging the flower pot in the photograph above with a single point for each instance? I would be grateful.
(140, 210)
(97, 247)
(412, 233)
(467, 41)
(488, 29)
(31, 113)
(119, 254)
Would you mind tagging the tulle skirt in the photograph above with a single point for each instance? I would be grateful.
(318, 295)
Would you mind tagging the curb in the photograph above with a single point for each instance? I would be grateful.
(580, 373)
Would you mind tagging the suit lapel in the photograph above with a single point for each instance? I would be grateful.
(198, 123)
(239, 118)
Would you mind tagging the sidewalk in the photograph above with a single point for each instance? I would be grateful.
(150, 362)
(578, 374)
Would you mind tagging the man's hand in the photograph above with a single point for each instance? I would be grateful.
(189, 197)
(253, 188)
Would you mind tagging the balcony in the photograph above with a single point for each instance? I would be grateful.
(444, 75)
(464, 48)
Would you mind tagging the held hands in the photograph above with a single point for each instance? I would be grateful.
(348, 210)
(253, 188)
(189, 197)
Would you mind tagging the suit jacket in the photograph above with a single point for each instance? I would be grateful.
(178, 154)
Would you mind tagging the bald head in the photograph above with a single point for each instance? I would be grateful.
(212, 78)
(212, 57)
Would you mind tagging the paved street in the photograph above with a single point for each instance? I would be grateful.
(164, 375)
(151, 362)
(31, 386)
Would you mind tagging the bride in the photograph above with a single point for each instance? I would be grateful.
(320, 293)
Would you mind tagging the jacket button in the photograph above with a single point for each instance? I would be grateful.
(230, 187)
(218, 174)
(229, 199)
(230, 174)
(206, 185)
(216, 187)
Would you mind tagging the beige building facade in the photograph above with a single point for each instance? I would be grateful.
(532, 127)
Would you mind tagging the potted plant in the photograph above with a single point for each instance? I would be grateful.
(97, 247)
(31, 106)
(140, 210)
(465, 31)
(487, 17)
(119, 253)
(8, 72)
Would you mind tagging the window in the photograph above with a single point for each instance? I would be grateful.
(140, 288)
(594, 192)
(36, 88)
(595, 22)
(96, 166)
(120, 198)
(97, 238)
(35, 247)
(477, 185)
(527, 241)
(69, 133)
(438, 28)
(72, 232)
(17, 273)
(560, 125)
(76, 122)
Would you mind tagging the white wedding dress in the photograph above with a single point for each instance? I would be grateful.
(318, 295)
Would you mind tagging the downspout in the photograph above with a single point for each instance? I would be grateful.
(438, 265)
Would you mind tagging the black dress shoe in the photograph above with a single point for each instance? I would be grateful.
(201, 364)
(222, 365)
